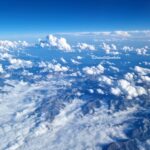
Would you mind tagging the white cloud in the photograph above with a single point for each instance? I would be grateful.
(52, 40)
(6, 45)
(106, 33)
(79, 57)
(113, 34)
(60, 43)
(141, 90)
(75, 62)
(19, 63)
(63, 45)
(18, 105)
(110, 49)
(94, 70)
(5, 55)
(146, 79)
(25, 116)
(146, 63)
(130, 90)
(71, 127)
(115, 91)
(114, 47)
(141, 51)
(106, 47)
(114, 68)
(1, 69)
(127, 88)
(84, 46)
(63, 60)
(91, 91)
(100, 91)
(141, 70)
(57, 67)
(105, 80)
(129, 76)
(42, 64)
(127, 48)
(123, 34)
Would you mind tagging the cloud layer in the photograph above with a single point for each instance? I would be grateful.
(60, 95)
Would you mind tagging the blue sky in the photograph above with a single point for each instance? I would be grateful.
(35, 17)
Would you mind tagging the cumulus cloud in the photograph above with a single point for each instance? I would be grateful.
(129, 76)
(54, 67)
(131, 90)
(105, 79)
(19, 63)
(141, 90)
(53, 41)
(127, 88)
(127, 48)
(91, 91)
(115, 91)
(63, 45)
(1, 69)
(141, 70)
(58, 67)
(85, 46)
(106, 47)
(109, 48)
(100, 91)
(141, 51)
(143, 74)
(6, 44)
(94, 70)
(146, 79)
(114, 47)
(79, 57)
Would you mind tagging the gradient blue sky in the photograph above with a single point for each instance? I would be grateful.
(33, 17)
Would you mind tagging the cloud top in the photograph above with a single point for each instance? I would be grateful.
(60, 43)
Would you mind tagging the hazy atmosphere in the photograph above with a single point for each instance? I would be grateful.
(75, 75)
